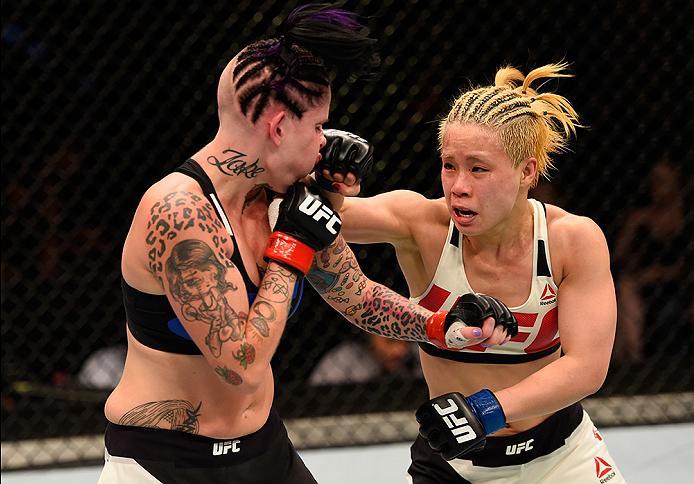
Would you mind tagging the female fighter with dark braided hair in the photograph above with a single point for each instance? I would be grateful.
(208, 286)
(205, 309)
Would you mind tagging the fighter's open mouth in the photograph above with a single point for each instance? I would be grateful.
(464, 213)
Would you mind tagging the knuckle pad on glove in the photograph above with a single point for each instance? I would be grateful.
(503, 315)
(346, 153)
(334, 155)
(470, 309)
(497, 310)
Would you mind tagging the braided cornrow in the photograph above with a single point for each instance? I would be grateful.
(465, 105)
(317, 42)
(527, 123)
(497, 101)
(514, 107)
(476, 107)
(272, 69)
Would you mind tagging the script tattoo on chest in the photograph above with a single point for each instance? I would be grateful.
(165, 414)
(236, 164)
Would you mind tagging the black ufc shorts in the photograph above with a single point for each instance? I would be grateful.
(265, 456)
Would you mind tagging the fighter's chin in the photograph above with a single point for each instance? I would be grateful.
(470, 228)
(466, 224)
(278, 189)
(281, 187)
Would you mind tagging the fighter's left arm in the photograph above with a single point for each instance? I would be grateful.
(337, 277)
(587, 321)
(375, 308)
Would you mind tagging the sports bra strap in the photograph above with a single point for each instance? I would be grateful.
(191, 168)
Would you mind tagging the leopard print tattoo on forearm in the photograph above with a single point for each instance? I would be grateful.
(165, 414)
(387, 313)
(337, 277)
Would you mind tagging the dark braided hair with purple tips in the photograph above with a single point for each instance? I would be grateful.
(316, 44)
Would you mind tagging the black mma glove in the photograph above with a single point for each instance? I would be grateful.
(305, 224)
(454, 425)
(343, 153)
(471, 309)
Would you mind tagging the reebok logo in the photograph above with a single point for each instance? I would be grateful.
(603, 470)
(596, 434)
(317, 210)
(458, 425)
(516, 449)
(223, 448)
(548, 296)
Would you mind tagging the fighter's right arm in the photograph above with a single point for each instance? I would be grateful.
(388, 217)
(188, 251)
(384, 218)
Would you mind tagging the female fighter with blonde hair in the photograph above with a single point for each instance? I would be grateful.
(507, 413)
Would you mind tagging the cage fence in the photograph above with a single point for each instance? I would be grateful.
(103, 98)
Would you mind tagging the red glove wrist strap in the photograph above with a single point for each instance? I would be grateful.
(287, 250)
(436, 333)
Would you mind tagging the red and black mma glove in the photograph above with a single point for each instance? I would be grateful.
(343, 153)
(454, 425)
(305, 224)
(471, 309)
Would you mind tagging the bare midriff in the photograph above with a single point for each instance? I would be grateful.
(446, 376)
(221, 410)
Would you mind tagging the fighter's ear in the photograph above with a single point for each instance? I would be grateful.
(275, 126)
(529, 171)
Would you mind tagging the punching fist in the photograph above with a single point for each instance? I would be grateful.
(304, 223)
(454, 425)
(443, 327)
(343, 153)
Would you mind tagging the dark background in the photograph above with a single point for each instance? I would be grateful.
(101, 99)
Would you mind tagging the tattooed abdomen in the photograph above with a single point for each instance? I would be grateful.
(165, 414)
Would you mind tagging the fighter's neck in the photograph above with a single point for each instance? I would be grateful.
(235, 171)
(507, 238)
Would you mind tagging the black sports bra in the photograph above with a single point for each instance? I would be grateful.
(150, 317)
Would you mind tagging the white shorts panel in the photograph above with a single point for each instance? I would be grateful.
(584, 459)
(124, 470)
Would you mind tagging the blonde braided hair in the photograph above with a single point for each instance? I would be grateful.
(528, 123)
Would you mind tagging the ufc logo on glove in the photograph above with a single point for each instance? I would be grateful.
(315, 208)
(458, 425)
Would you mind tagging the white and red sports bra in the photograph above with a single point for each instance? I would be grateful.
(538, 331)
